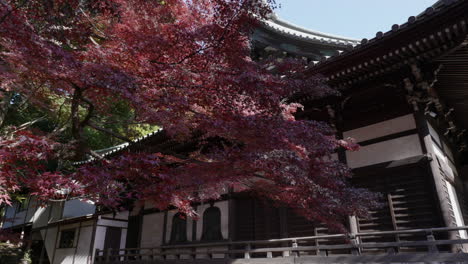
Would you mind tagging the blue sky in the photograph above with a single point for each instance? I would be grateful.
(350, 18)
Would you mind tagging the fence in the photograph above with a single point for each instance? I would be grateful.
(322, 249)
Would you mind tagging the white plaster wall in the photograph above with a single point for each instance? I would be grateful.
(41, 217)
(100, 237)
(108, 222)
(123, 237)
(396, 149)
(49, 236)
(153, 228)
(224, 207)
(82, 252)
(64, 255)
(75, 208)
(381, 129)
(119, 215)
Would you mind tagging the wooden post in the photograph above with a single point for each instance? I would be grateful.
(295, 253)
(194, 253)
(286, 253)
(108, 253)
(269, 254)
(96, 256)
(431, 248)
(356, 251)
(247, 251)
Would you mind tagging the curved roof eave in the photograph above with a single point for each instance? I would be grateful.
(434, 10)
(290, 30)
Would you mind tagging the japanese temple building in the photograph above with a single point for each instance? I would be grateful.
(404, 98)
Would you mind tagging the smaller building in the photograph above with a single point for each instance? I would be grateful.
(65, 232)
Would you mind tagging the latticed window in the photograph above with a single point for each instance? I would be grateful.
(67, 238)
(212, 224)
(179, 229)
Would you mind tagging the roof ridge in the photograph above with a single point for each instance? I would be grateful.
(277, 20)
(110, 150)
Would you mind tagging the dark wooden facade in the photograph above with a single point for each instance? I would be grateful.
(418, 68)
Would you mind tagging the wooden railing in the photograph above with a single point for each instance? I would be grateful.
(299, 247)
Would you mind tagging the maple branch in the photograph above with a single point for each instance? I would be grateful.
(185, 57)
(221, 38)
(91, 124)
(90, 111)
(103, 36)
(74, 112)
(28, 124)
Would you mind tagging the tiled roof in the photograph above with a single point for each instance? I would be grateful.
(109, 151)
(439, 7)
(290, 30)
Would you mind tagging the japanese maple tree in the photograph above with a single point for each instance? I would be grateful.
(185, 66)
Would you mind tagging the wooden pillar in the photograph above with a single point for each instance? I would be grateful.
(231, 216)
(439, 184)
(164, 229)
(353, 224)
(420, 94)
(92, 251)
(41, 258)
(55, 243)
(194, 226)
(283, 217)
(77, 241)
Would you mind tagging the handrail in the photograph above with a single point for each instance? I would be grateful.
(351, 243)
(253, 242)
(410, 231)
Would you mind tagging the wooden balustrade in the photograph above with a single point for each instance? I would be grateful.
(287, 248)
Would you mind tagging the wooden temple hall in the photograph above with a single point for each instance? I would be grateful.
(404, 98)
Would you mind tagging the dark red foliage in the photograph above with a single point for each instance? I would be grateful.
(185, 66)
